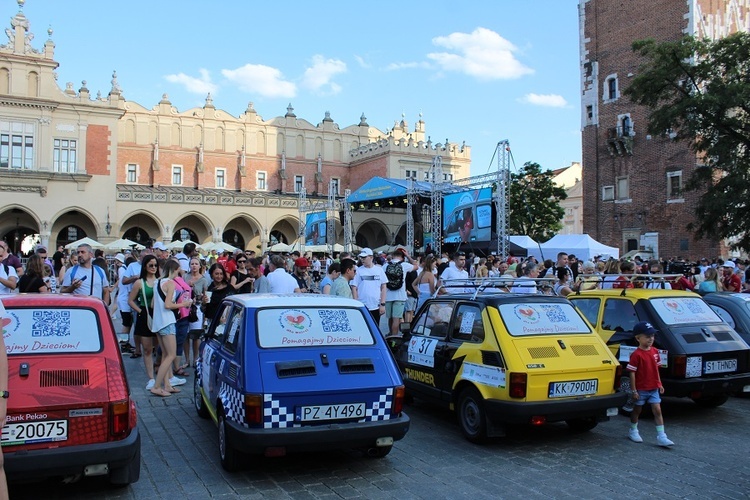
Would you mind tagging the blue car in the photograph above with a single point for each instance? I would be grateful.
(302, 372)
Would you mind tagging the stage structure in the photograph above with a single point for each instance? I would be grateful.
(332, 206)
(499, 181)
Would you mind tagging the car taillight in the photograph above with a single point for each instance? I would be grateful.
(618, 377)
(517, 386)
(398, 400)
(679, 366)
(254, 408)
(119, 418)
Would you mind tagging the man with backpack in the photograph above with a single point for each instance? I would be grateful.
(395, 293)
(85, 278)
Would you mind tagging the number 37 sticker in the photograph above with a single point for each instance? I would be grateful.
(422, 351)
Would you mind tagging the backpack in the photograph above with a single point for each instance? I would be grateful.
(395, 274)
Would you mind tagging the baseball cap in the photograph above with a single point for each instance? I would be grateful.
(728, 264)
(301, 262)
(365, 252)
(219, 250)
(120, 258)
(644, 328)
(159, 246)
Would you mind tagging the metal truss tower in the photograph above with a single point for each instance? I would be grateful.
(501, 197)
(331, 214)
(348, 236)
(411, 203)
(302, 204)
(436, 212)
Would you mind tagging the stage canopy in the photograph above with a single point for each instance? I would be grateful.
(380, 188)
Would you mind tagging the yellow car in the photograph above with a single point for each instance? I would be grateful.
(703, 358)
(503, 358)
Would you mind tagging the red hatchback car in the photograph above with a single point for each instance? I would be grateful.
(70, 413)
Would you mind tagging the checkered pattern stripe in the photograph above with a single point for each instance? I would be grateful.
(232, 402)
(380, 409)
(277, 416)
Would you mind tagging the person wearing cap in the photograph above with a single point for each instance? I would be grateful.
(300, 274)
(279, 280)
(645, 383)
(368, 285)
(160, 250)
(729, 280)
(126, 313)
(395, 300)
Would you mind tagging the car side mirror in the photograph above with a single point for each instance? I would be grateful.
(405, 329)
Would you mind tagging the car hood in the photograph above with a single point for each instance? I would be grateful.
(63, 381)
(325, 370)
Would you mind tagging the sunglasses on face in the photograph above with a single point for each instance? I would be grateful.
(241, 261)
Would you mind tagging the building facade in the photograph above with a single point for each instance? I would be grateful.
(75, 165)
(569, 178)
(633, 182)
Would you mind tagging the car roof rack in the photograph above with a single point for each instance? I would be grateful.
(501, 284)
(661, 279)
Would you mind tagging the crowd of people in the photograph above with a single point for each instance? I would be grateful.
(165, 299)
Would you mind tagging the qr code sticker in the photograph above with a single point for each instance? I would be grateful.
(695, 306)
(554, 313)
(50, 324)
(335, 321)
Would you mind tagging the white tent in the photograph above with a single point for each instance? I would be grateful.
(525, 242)
(582, 245)
(212, 245)
(123, 244)
(82, 241)
(280, 247)
(179, 244)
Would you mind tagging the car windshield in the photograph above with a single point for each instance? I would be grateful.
(312, 326)
(684, 310)
(60, 330)
(522, 319)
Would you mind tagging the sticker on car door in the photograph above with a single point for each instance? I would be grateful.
(422, 351)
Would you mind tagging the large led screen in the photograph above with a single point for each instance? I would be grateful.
(467, 216)
(315, 228)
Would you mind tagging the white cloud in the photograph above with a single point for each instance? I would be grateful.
(482, 54)
(319, 76)
(361, 61)
(550, 100)
(192, 84)
(261, 80)
(407, 65)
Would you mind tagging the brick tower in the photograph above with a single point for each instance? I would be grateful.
(633, 182)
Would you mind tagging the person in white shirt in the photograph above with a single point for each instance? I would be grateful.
(8, 275)
(455, 271)
(526, 284)
(395, 300)
(280, 280)
(368, 285)
(85, 278)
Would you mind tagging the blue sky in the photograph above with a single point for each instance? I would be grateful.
(479, 72)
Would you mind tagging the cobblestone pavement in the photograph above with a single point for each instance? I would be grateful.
(180, 460)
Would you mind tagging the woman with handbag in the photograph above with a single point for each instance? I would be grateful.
(164, 324)
(141, 301)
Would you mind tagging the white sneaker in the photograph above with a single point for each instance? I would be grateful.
(635, 436)
(175, 381)
(628, 407)
(663, 440)
(150, 384)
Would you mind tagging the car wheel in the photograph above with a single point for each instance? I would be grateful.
(200, 405)
(230, 458)
(581, 424)
(471, 415)
(378, 451)
(711, 401)
(127, 474)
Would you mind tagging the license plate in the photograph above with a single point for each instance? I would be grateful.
(720, 366)
(577, 388)
(331, 412)
(34, 432)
